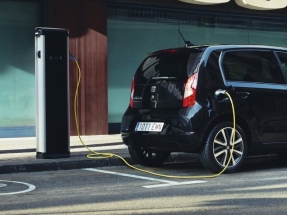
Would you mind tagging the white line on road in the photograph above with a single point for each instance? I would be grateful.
(128, 175)
(174, 184)
(3, 185)
(31, 187)
(166, 182)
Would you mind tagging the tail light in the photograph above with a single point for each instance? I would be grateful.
(132, 93)
(189, 97)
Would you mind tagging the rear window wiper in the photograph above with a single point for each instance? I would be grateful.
(157, 78)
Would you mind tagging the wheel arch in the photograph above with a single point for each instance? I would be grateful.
(229, 117)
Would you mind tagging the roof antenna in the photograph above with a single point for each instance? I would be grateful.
(187, 43)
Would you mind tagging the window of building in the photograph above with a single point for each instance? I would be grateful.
(18, 20)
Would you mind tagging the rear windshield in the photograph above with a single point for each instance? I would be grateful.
(170, 63)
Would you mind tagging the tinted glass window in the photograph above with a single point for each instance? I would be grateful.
(252, 66)
(283, 61)
(171, 63)
(213, 71)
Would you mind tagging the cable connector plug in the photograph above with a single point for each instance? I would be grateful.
(72, 58)
(219, 92)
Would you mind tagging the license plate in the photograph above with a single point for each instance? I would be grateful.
(149, 126)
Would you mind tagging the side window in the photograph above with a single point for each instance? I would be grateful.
(252, 66)
(212, 67)
(283, 61)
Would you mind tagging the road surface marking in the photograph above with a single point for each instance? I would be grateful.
(166, 183)
(174, 184)
(3, 185)
(31, 187)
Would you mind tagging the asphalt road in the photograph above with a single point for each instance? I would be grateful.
(259, 188)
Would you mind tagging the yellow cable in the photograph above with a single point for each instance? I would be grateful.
(97, 155)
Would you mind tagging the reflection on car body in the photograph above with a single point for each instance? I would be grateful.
(174, 88)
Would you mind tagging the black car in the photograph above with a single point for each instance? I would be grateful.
(174, 108)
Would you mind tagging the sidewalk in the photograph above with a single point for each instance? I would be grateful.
(19, 154)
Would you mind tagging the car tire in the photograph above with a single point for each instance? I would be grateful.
(218, 146)
(148, 157)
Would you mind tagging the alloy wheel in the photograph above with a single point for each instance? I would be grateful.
(222, 147)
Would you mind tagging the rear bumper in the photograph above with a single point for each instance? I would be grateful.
(172, 143)
(182, 131)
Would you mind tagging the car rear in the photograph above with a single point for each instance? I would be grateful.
(163, 102)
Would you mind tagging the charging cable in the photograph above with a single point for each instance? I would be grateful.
(98, 155)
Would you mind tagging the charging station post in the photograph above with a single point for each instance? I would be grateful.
(52, 92)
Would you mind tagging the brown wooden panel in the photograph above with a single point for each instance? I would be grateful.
(87, 23)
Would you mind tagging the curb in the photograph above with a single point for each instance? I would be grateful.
(54, 165)
(80, 161)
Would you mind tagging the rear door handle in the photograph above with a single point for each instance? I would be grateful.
(244, 95)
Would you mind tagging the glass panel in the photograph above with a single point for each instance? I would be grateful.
(213, 72)
(253, 66)
(172, 64)
(128, 45)
(283, 61)
(17, 92)
(267, 38)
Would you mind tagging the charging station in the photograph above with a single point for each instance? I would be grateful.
(52, 92)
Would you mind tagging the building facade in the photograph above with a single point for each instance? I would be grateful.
(110, 38)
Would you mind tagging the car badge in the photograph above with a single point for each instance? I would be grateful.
(153, 89)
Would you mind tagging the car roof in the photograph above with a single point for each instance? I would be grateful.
(222, 47)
